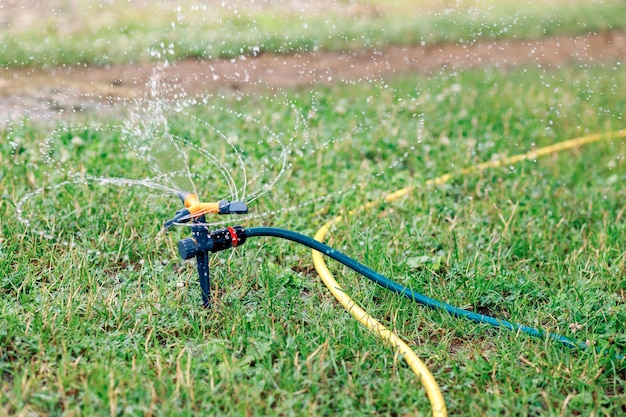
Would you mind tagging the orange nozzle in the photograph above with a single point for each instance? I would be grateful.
(191, 199)
(196, 208)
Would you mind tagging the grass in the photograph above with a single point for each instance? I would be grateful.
(104, 319)
(89, 32)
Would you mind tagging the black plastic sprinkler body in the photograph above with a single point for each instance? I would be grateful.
(204, 241)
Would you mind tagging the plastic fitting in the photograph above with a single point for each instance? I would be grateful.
(217, 240)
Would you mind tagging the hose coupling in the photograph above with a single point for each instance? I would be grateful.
(217, 240)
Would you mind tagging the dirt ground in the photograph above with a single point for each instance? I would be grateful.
(43, 94)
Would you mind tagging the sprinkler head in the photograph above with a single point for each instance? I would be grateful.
(195, 209)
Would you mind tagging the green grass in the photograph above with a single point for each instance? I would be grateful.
(75, 33)
(104, 319)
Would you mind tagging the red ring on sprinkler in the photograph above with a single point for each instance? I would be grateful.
(233, 236)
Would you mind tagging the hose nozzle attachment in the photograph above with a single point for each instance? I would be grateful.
(217, 240)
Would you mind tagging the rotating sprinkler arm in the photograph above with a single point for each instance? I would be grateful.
(194, 209)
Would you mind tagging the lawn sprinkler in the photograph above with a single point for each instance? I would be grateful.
(204, 241)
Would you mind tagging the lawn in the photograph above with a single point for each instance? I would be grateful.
(99, 316)
(85, 32)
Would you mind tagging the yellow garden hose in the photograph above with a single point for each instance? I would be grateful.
(419, 368)
(435, 397)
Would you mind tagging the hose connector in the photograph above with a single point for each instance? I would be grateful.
(217, 240)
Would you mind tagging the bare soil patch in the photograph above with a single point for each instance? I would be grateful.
(48, 93)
